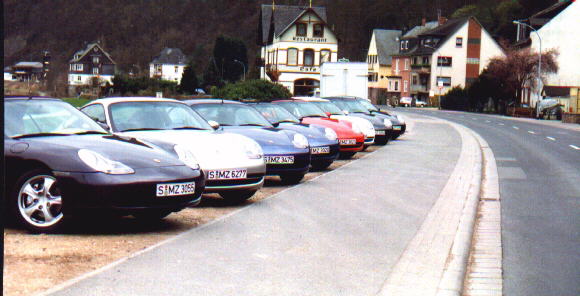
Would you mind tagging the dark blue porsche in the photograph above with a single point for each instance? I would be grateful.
(287, 153)
(323, 141)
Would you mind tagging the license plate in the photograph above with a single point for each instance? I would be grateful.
(320, 150)
(227, 174)
(175, 189)
(397, 127)
(279, 159)
(380, 133)
(347, 142)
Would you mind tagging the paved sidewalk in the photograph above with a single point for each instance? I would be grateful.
(339, 234)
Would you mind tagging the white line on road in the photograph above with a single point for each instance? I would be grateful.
(532, 132)
(575, 147)
(501, 124)
(487, 121)
(515, 127)
(550, 138)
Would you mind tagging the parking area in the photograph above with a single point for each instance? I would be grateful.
(34, 263)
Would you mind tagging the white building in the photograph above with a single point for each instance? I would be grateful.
(168, 65)
(452, 54)
(295, 42)
(559, 34)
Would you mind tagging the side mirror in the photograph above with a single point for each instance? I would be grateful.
(327, 114)
(345, 112)
(104, 125)
(214, 124)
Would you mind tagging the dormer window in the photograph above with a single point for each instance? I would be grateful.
(318, 30)
(301, 29)
(95, 60)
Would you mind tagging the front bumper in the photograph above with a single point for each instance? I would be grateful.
(253, 181)
(127, 193)
(399, 129)
(331, 156)
(301, 165)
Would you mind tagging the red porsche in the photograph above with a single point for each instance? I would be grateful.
(350, 139)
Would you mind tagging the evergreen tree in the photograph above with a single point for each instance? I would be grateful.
(189, 82)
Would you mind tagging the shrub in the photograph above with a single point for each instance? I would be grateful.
(455, 99)
(257, 89)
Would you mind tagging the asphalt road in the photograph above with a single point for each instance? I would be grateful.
(339, 234)
(539, 171)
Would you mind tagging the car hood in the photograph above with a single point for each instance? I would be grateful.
(314, 133)
(272, 140)
(376, 121)
(212, 149)
(342, 128)
(390, 117)
(361, 121)
(61, 152)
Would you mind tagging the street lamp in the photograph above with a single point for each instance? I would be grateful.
(244, 67)
(539, 60)
(437, 67)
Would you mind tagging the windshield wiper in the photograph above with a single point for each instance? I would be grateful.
(188, 128)
(286, 120)
(142, 129)
(315, 115)
(91, 133)
(252, 124)
(39, 135)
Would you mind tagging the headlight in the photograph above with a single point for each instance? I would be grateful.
(368, 128)
(388, 123)
(300, 141)
(330, 134)
(186, 156)
(356, 128)
(254, 150)
(401, 119)
(102, 164)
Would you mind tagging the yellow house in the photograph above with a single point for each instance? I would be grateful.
(382, 84)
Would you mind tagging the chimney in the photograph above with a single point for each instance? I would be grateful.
(423, 21)
(442, 20)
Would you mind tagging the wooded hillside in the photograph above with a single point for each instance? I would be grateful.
(133, 32)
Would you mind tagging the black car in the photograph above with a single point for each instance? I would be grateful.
(60, 163)
(399, 125)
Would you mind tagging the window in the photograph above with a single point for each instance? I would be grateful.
(406, 64)
(390, 85)
(324, 56)
(96, 71)
(473, 61)
(318, 30)
(301, 29)
(308, 57)
(425, 60)
(444, 61)
(458, 41)
(95, 112)
(396, 86)
(95, 60)
(414, 79)
(79, 78)
(374, 77)
(77, 67)
(292, 56)
(446, 80)
(176, 69)
(406, 86)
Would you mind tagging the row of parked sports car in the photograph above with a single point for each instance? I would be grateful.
(149, 157)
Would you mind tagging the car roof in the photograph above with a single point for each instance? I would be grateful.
(112, 100)
(211, 101)
(342, 98)
(31, 98)
(309, 99)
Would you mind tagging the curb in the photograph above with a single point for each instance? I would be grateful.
(458, 207)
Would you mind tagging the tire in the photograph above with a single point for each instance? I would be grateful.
(347, 155)
(365, 147)
(382, 141)
(36, 202)
(237, 197)
(151, 214)
(321, 165)
(394, 137)
(292, 178)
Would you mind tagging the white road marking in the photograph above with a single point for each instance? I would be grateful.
(550, 138)
(515, 127)
(532, 132)
(575, 147)
(487, 121)
(501, 124)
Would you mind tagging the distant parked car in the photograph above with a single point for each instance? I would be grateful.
(60, 163)
(405, 101)
(399, 125)
(420, 103)
(232, 164)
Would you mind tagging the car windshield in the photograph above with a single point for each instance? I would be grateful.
(231, 114)
(302, 109)
(329, 107)
(128, 116)
(28, 118)
(350, 106)
(275, 114)
(368, 105)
